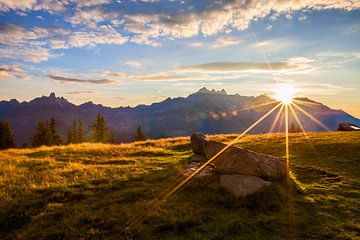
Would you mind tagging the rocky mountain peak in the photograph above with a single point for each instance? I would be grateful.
(204, 90)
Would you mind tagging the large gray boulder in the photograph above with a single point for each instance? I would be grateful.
(237, 160)
(242, 185)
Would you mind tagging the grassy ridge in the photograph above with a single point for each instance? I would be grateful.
(91, 191)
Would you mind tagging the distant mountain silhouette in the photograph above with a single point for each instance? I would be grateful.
(208, 111)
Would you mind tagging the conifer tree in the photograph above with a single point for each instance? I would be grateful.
(99, 130)
(70, 136)
(80, 135)
(75, 133)
(140, 136)
(6, 135)
(42, 135)
(55, 139)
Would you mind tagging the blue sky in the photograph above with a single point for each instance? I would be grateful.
(121, 53)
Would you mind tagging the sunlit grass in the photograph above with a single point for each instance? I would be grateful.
(92, 191)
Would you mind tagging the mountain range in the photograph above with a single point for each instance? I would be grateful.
(207, 111)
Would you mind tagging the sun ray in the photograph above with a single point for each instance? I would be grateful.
(303, 131)
(297, 119)
(311, 117)
(287, 138)
(306, 103)
(276, 118)
(259, 105)
(282, 117)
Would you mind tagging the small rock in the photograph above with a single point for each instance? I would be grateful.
(242, 185)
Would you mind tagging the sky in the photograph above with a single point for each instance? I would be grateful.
(120, 53)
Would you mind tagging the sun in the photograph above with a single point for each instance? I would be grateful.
(284, 93)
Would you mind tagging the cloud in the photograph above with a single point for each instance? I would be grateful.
(91, 16)
(273, 45)
(36, 44)
(336, 59)
(225, 42)
(6, 5)
(14, 69)
(160, 76)
(240, 67)
(133, 64)
(80, 92)
(119, 76)
(196, 44)
(6, 75)
(302, 18)
(25, 5)
(103, 35)
(98, 22)
(7, 72)
(30, 45)
(219, 16)
(77, 80)
(90, 3)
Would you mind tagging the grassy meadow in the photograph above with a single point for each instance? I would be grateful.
(103, 191)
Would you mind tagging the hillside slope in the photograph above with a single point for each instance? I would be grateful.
(92, 191)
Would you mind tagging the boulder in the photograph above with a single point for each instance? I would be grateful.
(237, 160)
(348, 127)
(242, 185)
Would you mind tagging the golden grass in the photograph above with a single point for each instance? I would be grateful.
(86, 191)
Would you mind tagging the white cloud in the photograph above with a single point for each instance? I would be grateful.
(268, 28)
(35, 44)
(273, 45)
(302, 18)
(95, 23)
(159, 76)
(105, 34)
(90, 16)
(225, 42)
(18, 42)
(90, 3)
(196, 44)
(119, 76)
(133, 64)
(6, 5)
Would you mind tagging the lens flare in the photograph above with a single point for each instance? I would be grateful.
(284, 93)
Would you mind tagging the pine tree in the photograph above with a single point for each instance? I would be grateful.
(6, 135)
(140, 136)
(80, 135)
(70, 137)
(98, 130)
(42, 135)
(55, 139)
(75, 133)
(74, 130)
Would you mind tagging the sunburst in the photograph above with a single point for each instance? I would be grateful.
(286, 104)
